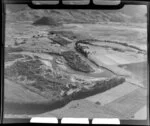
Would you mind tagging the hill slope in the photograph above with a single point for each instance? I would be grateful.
(126, 14)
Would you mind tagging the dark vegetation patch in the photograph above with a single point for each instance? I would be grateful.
(27, 57)
(67, 34)
(33, 72)
(126, 44)
(46, 21)
(118, 49)
(81, 49)
(110, 83)
(27, 68)
(99, 87)
(113, 48)
(76, 63)
(44, 84)
(89, 42)
(60, 41)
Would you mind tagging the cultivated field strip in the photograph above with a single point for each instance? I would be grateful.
(113, 94)
(129, 104)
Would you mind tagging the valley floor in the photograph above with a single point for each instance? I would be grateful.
(60, 67)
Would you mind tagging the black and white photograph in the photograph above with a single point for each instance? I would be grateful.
(79, 63)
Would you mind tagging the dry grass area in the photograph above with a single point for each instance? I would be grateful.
(82, 109)
(130, 103)
(25, 95)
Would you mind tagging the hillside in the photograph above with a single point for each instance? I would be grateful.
(126, 14)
